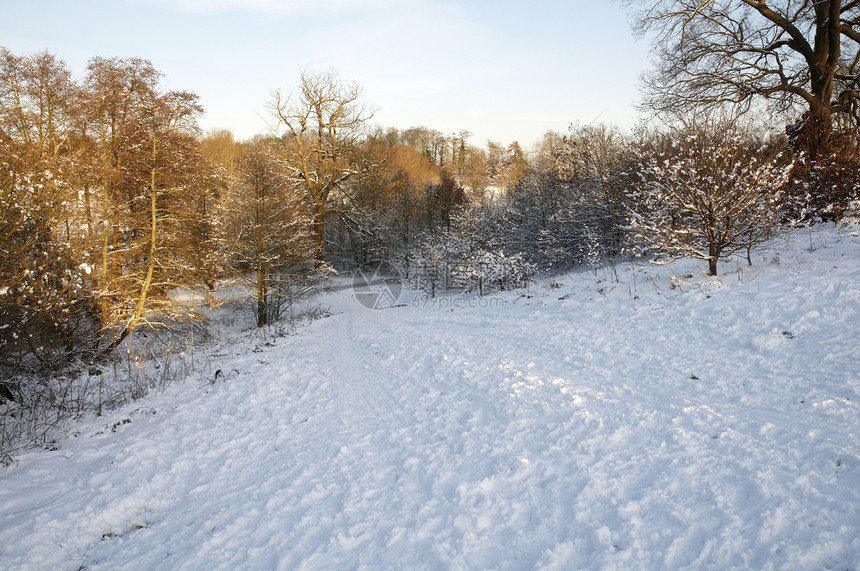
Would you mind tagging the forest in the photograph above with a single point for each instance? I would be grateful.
(115, 205)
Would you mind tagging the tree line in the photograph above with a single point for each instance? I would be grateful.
(112, 200)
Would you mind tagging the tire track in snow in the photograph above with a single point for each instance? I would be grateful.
(357, 377)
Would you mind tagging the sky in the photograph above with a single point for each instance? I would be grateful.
(502, 70)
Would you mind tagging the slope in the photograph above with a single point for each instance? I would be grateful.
(637, 416)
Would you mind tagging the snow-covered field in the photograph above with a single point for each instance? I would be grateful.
(643, 417)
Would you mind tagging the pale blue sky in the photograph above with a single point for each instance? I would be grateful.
(504, 70)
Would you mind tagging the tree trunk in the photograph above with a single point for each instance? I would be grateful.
(826, 54)
(106, 242)
(319, 232)
(262, 309)
(713, 255)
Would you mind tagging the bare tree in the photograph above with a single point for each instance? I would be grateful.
(37, 101)
(323, 122)
(784, 52)
(707, 193)
(475, 173)
(148, 165)
(387, 206)
(170, 120)
(114, 90)
(426, 141)
(268, 234)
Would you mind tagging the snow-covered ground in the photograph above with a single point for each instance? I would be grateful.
(643, 417)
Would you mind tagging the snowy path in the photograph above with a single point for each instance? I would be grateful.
(587, 425)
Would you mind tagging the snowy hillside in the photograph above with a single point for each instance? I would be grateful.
(643, 417)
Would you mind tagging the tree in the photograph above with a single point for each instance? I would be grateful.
(708, 193)
(267, 228)
(148, 167)
(105, 210)
(114, 91)
(46, 311)
(597, 161)
(429, 142)
(323, 122)
(506, 165)
(38, 102)
(482, 270)
(825, 187)
(220, 148)
(442, 199)
(475, 175)
(222, 154)
(551, 221)
(785, 52)
(39, 113)
(388, 206)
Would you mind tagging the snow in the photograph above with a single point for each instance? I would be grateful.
(634, 417)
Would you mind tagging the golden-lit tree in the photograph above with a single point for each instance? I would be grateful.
(148, 166)
(45, 306)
